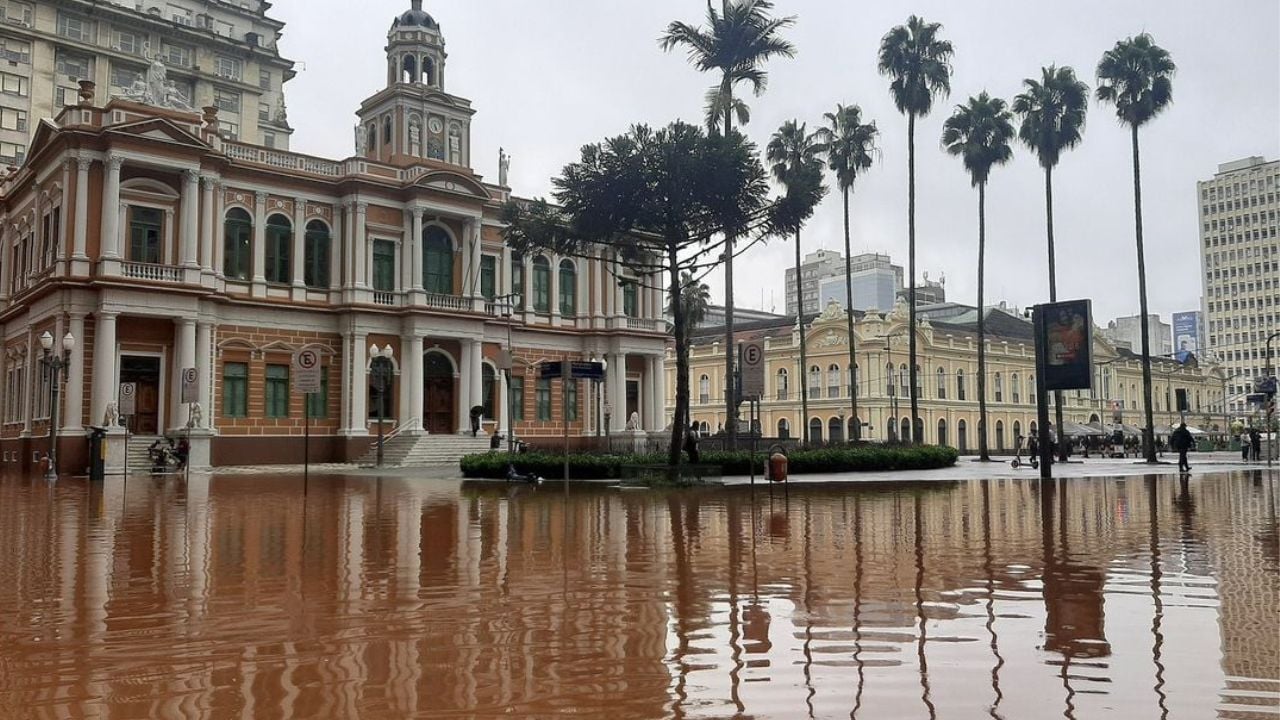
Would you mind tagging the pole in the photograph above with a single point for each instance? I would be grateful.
(306, 447)
(565, 379)
(186, 462)
(1042, 398)
(755, 418)
(382, 403)
(52, 366)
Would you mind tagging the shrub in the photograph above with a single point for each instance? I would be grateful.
(867, 458)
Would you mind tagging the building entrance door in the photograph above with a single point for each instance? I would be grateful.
(438, 405)
(145, 371)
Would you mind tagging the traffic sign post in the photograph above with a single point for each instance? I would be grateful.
(752, 370)
(306, 379)
(126, 406)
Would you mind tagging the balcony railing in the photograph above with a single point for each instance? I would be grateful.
(647, 324)
(152, 272)
(284, 160)
(382, 297)
(448, 302)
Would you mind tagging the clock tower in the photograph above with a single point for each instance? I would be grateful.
(413, 119)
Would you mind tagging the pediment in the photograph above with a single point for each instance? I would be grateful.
(452, 182)
(159, 129)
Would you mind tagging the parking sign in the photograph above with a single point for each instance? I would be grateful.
(190, 385)
(306, 371)
(753, 370)
(128, 399)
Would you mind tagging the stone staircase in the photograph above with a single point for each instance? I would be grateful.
(139, 457)
(410, 450)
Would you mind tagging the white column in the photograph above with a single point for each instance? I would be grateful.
(618, 391)
(74, 389)
(412, 361)
(584, 297)
(184, 351)
(660, 382)
(359, 250)
(415, 252)
(207, 238)
(299, 242)
(111, 210)
(464, 386)
(406, 252)
(650, 413)
(259, 237)
(615, 281)
(405, 380)
(555, 289)
(104, 366)
(359, 384)
(477, 373)
(596, 266)
(204, 367)
(167, 256)
(337, 247)
(504, 272)
(81, 232)
(528, 283)
(190, 221)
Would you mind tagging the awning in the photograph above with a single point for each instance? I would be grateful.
(1074, 429)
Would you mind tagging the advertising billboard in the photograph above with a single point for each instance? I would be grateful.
(1186, 333)
(1065, 340)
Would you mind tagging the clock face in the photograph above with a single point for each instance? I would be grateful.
(435, 125)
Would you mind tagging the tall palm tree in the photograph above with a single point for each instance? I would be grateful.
(695, 299)
(792, 155)
(848, 144)
(979, 132)
(920, 64)
(736, 42)
(1053, 111)
(1136, 76)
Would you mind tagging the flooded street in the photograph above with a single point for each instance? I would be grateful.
(241, 597)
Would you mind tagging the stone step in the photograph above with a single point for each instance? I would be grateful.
(425, 449)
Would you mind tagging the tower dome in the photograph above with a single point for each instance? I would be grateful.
(415, 16)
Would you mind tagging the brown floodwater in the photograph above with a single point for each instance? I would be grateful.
(364, 598)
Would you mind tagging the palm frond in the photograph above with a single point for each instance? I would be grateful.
(980, 133)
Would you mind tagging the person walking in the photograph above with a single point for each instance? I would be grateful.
(1180, 441)
(1245, 445)
(1255, 443)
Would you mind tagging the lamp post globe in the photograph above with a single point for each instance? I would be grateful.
(54, 365)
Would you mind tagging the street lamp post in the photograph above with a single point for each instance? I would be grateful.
(506, 305)
(381, 368)
(54, 365)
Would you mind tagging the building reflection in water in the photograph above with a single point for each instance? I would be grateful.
(392, 598)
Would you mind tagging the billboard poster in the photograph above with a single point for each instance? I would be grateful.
(1186, 333)
(1066, 343)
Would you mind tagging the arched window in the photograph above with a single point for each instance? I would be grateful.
(316, 263)
(487, 383)
(833, 381)
(942, 432)
(888, 380)
(428, 71)
(1017, 432)
(815, 382)
(999, 388)
(919, 382)
(904, 381)
(386, 130)
(942, 384)
(855, 429)
(279, 255)
(704, 429)
(541, 284)
(704, 390)
(409, 69)
(1031, 390)
(630, 299)
(999, 434)
(784, 429)
(835, 430)
(237, 245)
(891, 430)
(906, 430)
(782, 384)
(815, 430)
(1032, 428)
(568, 289)
(437, 261)
(1016, 387)
(960, 384)
(962, 436)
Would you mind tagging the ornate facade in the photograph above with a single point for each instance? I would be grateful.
(948, 394)
(161, 245)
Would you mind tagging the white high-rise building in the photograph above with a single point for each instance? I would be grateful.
(1240, 266)
(1126, 332)
(213, 52)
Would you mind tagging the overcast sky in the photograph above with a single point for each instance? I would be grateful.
(547, 76)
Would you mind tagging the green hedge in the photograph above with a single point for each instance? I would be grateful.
(868, 458)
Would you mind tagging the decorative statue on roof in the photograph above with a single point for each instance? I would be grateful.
(155, 88)
(504, 166)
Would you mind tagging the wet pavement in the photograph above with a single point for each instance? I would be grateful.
(1130, 597)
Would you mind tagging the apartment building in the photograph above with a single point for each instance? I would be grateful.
(215, 53)
(1240, 265)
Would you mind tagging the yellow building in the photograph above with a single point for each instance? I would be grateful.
(948, 351)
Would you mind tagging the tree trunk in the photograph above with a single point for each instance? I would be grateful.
(1063, 450)
(680, 423)
(983, 453)
(914, 437)
(1148, 437)
(730, 387)
(804, 360)
(853, 348)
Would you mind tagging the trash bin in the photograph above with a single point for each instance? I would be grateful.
(97, 454)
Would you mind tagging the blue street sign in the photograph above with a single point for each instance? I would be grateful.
(579, 370)
(551, 371)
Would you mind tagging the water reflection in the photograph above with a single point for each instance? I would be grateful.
(393, 598)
